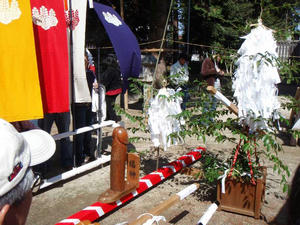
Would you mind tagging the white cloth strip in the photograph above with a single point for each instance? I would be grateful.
(148, 182)
(187, 191)
(171, 167)
(158, 173)
(223, 177)
(208, 214)
(222, 98)
(98, 209)
(84, 129)
(74, 221)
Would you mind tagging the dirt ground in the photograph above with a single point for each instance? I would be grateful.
(64, 199)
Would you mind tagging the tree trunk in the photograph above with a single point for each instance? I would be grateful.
(159, 15)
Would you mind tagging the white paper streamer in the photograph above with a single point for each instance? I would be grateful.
(223, 177)
(161, 117)
(255, 79)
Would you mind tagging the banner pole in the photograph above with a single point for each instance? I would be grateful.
(72, 81)
(99, 112)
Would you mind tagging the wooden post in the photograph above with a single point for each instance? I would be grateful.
(118, 159)
(157, 158)
(293, 141)
(118, 185)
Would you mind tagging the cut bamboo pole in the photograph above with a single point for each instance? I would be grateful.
(208, 214)
(232, 107)
(166, 204)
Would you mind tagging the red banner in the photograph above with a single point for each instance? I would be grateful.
(52, 53)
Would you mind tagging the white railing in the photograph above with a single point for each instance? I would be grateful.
(100, 160)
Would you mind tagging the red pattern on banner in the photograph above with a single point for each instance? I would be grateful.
(154, 179)
(75, 19)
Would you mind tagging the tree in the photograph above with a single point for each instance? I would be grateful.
(221, 23)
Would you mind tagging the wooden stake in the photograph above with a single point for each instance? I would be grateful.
(157, 158)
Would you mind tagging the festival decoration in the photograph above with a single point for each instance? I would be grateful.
(98, 209)
(162, 121)
(81, 90)
(255, 79)
(52, 54)
(20, 95)
(119, 33)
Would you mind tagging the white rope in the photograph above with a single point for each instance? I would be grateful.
(154, 219)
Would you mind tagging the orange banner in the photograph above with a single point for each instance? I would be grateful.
(20, 96)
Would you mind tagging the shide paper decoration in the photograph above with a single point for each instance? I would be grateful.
(255, 79)
(162, 121)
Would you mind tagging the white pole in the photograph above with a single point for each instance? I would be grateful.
(75, 171)
(84, 129)
(208, 214)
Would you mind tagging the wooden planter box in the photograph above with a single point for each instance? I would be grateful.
(243, 198)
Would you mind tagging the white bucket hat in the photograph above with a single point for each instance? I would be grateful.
(18, 151)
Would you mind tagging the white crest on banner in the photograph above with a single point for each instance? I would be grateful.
(111, 18)
(44, 18)
(9, 12)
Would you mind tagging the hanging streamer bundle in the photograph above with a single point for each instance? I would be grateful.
(256, 77)
(161, 121)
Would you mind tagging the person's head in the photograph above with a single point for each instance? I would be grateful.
(182, 58)
(19, 151)
(111, 60)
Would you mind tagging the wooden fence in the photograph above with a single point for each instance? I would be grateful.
(285, 49)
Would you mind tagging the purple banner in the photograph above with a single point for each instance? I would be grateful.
(123, 40)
